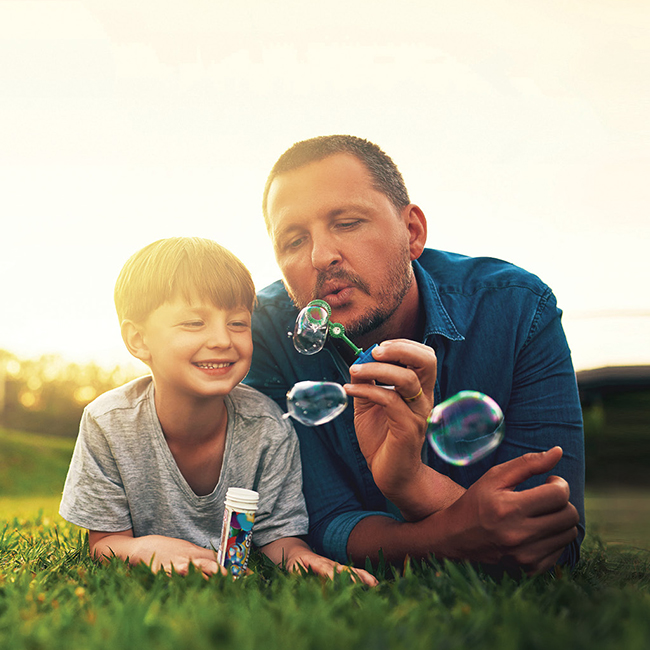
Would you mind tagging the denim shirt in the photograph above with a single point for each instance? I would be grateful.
(495, 328)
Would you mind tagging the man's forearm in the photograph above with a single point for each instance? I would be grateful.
(397, 539)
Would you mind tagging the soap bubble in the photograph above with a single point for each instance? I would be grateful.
(315, 402)
(310, 332)
(465, 427)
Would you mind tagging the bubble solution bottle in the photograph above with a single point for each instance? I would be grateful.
(237, 529)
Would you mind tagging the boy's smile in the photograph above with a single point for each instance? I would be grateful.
(197, 349)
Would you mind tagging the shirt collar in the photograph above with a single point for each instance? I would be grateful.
(437, 319)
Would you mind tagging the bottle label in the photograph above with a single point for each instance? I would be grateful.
(236, 539)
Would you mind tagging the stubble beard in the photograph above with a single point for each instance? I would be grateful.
(391, 294)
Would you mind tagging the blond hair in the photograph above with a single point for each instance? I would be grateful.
(189, 267)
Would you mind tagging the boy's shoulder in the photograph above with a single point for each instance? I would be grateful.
(250, 402)
(126, 397)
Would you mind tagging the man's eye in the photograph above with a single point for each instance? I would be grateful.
(345, 225)
(294, 243)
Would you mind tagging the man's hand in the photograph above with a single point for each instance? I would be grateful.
(527, 529)
(490, 523)
(160, 552)
(391, 426)
(295, 553)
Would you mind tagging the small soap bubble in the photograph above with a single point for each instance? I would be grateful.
(310, 332)
(315, 402)
(465, 427)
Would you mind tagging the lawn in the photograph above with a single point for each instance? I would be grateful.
(53, 596)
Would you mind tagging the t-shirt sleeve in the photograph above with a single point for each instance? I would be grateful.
(282, 511)
(93, 494)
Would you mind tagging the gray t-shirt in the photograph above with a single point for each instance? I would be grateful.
(123, 475)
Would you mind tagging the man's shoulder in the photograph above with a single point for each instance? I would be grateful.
(456, 273)
(123, 398)
(274, 296)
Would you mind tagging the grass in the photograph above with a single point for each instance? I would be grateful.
(53, 596)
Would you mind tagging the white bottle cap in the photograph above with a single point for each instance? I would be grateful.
(240, 499)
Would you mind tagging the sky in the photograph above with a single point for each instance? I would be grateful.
(521, 130)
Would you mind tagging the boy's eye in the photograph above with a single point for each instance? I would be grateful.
(193, 323)
(240, 324)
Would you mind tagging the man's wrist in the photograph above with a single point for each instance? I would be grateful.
(425, 493)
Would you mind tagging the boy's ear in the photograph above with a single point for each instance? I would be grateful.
(134, 340)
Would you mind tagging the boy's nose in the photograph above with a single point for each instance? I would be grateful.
(219, 337)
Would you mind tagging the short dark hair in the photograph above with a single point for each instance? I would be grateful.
(190, 267)
(384, 172)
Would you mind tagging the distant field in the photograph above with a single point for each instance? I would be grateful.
(33, 469)
(32, 464)
(620, 517)
(27, 508)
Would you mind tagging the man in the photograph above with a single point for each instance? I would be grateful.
(344, 230)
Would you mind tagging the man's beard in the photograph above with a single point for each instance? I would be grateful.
(390, 297)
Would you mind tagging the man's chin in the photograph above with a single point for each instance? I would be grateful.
(360, 325)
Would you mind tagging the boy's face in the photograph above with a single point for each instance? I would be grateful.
(198, 349)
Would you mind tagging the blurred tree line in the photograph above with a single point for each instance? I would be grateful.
(47, 395)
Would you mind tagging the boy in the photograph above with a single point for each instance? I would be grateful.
(154, 458)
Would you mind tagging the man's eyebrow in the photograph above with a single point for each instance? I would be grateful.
(283, 230)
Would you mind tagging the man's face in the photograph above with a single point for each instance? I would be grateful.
(339, 239)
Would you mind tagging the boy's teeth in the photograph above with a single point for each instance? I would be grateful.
(212, 365)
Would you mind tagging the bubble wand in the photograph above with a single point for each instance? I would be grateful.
(312, 327)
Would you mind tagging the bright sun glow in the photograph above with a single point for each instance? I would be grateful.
(520, 128)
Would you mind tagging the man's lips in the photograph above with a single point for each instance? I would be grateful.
(337, 287)
(337, 297)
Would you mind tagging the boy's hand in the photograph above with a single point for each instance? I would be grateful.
(323, 566)
(296, 554)
(156, 551)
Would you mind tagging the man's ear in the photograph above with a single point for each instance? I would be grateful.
(416, 224)
(133, 338)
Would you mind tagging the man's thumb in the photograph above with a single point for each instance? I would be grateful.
(513, 472)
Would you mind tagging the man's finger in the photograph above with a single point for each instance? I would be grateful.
(510, 474)
(543, 499)
(543, 554)
(392, 356)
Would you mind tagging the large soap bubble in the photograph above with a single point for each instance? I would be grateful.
(315, 402)
(465, 427)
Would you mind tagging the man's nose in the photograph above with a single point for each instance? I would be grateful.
(324, 252)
